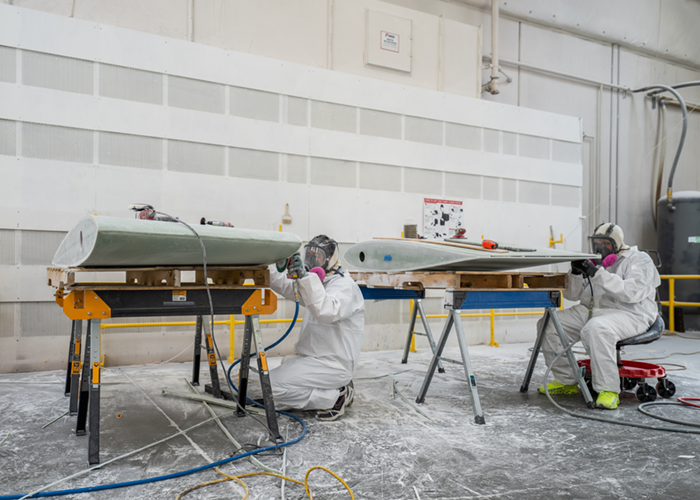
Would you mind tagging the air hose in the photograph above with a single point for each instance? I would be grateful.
(610, 421)
(165, 477)
(289, 330)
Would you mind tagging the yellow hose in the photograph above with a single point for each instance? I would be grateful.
(228, 477)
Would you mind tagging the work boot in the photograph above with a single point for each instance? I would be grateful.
(607, 400)
(347, 394)
(558, 388)
(351, 393)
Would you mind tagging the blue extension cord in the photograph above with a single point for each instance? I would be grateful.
(113, 486)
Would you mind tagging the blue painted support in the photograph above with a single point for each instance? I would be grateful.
(391, 294)
(507, 299)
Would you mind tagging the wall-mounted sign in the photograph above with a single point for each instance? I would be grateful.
(389, 41)
(441, 218)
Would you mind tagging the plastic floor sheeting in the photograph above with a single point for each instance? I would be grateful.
(383, 448)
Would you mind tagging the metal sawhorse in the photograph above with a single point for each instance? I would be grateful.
(369, 293)
(96, 304)
(550, 314)
(458, 300)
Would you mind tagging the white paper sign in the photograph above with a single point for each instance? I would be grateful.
(390, 41)
(441, 218)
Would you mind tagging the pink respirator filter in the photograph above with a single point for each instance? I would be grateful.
(319, 272)
(608, 261)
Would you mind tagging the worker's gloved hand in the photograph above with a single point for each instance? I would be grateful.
(588, 268)
(295, 267)
(577, 266)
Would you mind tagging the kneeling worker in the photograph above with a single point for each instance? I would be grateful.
(623, 305)
(319, 375)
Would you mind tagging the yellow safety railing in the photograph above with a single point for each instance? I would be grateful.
(231, 322)
(671, 303)
(491, 314)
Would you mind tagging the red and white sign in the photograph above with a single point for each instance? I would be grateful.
(441, 218)
(389, 41)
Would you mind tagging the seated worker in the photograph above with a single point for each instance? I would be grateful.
(319, 375)
(623, 286)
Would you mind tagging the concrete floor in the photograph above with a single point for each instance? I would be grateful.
(383, 448)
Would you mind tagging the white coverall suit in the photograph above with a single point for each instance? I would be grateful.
(330, 339)
(624, 306)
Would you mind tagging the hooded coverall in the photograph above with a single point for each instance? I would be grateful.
(330, 339)
(624, 306)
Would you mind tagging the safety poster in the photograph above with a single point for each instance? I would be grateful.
(441, 218)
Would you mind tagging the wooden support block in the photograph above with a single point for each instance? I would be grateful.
(259, 276)
(558, 281)
(59, 278)
(485, 280)
(162, 277)
(167, 277)
(462, 280)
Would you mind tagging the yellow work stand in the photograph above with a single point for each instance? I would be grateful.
(95, 302)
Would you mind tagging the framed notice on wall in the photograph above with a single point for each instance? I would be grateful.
(441, 218)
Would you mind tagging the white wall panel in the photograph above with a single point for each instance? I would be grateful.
(422, 130)
(339, 176)
(462, 185)
(54, 194)
(50, 142)
(329, 172)
(492, 188)
(254, 104)
(534, 147)
(533, 192)
(381, 124)
(387, 221)
(8, 247)
(8, 64)
(297, 111)
(428, 182)
(381, 177)
(130, 151)
(509, 144)
(8, 137)
(127, 186)
(196, 158)
(254, 164)
(333, 116)
(509, 190)
(57, 72)
(131, 84)
(566, 196)
(297, 169)
(53, 34)
(196, 95)
(344, 226)
(463, 136)
(491, 140)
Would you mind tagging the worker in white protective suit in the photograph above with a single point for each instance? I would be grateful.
(623, 285)
(319, 375)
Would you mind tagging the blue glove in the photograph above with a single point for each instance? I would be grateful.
(295, 267)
